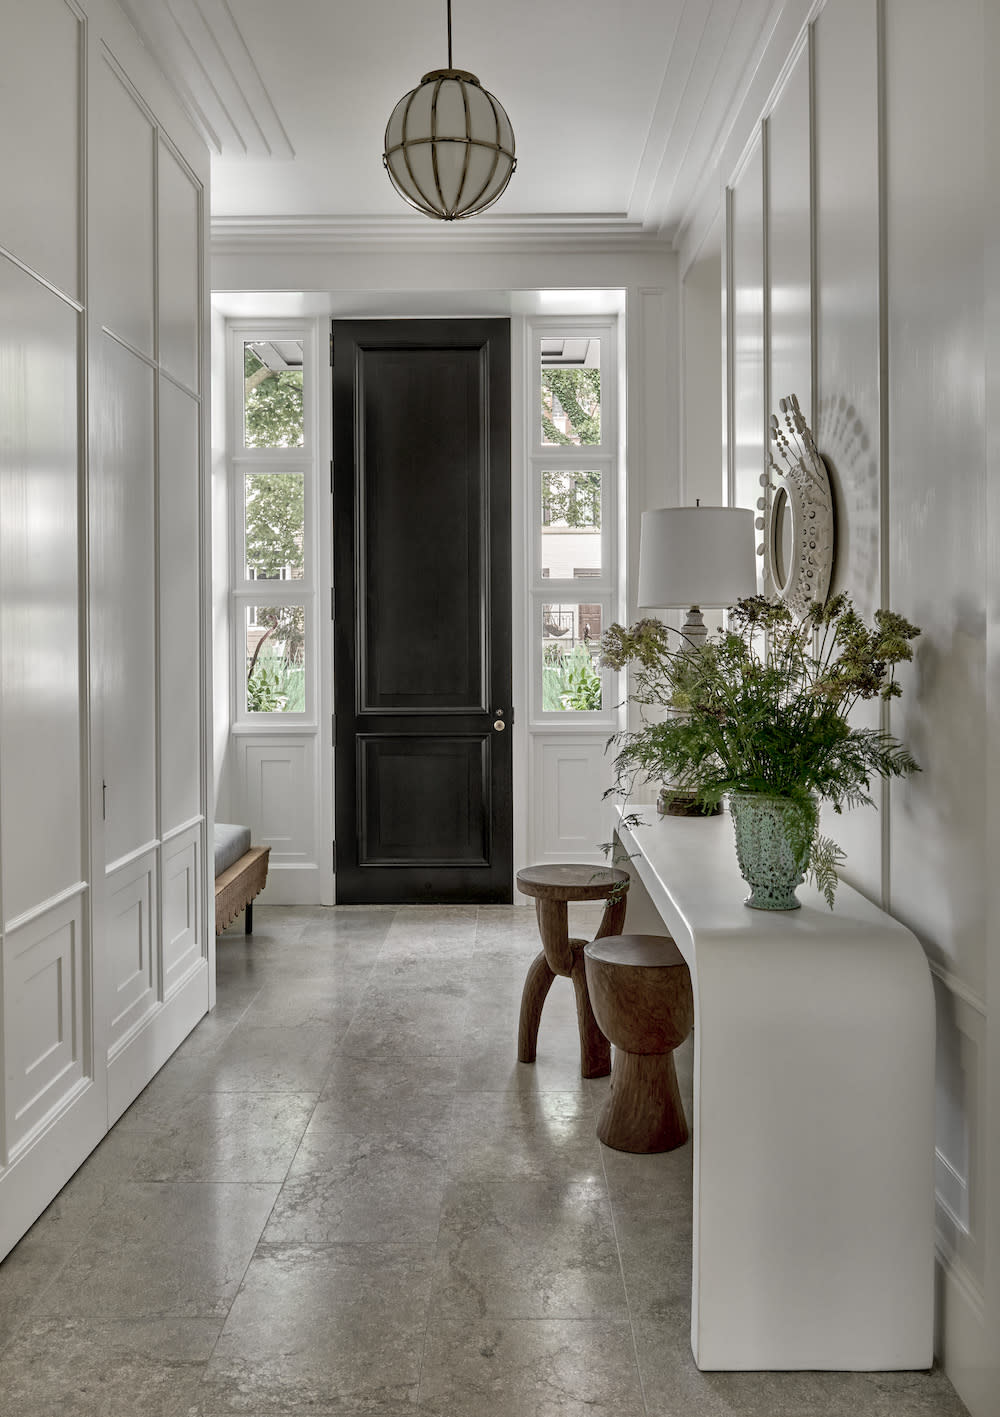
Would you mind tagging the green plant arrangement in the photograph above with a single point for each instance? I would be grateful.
(762, 711)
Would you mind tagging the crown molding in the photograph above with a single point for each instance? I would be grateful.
(234, 235)
(203, 54)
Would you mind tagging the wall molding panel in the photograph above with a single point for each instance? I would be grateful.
(874, 274)
(102, 280)
(45, 976)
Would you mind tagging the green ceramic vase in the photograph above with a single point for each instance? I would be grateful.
(773, 837)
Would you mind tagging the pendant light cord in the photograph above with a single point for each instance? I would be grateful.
(450, 65)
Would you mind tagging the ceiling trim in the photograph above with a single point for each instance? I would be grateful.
(237, 234)
(200, 48)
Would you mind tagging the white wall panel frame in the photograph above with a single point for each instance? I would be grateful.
(56, 219)
(277, 796)
(45, 1000)
(181, 913)
(133, 941)
(567, 808)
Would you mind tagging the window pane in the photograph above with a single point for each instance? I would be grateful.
(275, 503)
(571, 524)
(571, 392)
(275, 661)
(272, 394)
(571, 637)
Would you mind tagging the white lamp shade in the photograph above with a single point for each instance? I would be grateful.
(696, 556)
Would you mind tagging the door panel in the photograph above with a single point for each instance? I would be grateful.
(422, 637)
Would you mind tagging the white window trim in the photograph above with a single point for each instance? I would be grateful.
(604, 457)
(245, 592)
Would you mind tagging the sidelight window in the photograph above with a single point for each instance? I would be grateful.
(272, 477)
(573, 467)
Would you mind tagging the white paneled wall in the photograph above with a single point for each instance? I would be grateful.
(104, 952)
(855, 273)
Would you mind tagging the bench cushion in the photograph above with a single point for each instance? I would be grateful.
(231, 842)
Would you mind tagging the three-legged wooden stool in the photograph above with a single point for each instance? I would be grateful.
(553, 888)
(642, 998)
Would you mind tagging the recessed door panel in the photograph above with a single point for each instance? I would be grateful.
(424, 802)
(422, 479)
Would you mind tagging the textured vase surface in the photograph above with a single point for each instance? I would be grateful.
(772, 847)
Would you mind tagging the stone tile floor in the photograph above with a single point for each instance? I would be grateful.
(344, 1196)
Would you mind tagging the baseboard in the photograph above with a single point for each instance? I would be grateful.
(962, 1342)
(292, 885)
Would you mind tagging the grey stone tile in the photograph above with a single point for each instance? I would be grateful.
(25, 1274)
(76, 1369)
(528, 1249)
(280, 1059)
(313, 1326)
(226, 1136)
(486, 1367)
(491, 1066)
(642, 1186)
(384, 1091)
(305, 1001)
(173, 1249)
(365, 1180)
(500, 1136)
(656, 1261)
(407, 1020)
(373, 1192)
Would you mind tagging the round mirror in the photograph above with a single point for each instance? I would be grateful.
(782, 541)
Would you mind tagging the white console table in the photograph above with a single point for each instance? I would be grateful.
(813, 1125)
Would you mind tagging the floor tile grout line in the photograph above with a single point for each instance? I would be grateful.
(281, 1184)
(625, 1286)
(437, 1239)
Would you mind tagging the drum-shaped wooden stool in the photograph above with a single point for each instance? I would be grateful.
(553, 888)
(640, 989)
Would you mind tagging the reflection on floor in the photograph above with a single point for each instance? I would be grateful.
(343, 1195)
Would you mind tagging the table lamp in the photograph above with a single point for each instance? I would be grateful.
(694, 558)
(690, 557)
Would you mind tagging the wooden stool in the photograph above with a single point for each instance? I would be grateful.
(553, 888)
(640, 989)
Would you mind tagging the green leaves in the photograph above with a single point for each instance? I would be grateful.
(765, 705)
(577, 394)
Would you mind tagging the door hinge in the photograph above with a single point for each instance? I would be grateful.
(104, 801)
(333, 730)
(331, 477)
(331, 349)
(333, 853)
(333, 613)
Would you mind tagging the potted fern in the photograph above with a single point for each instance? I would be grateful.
(761, 713)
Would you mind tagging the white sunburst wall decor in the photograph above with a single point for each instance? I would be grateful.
(796, 514)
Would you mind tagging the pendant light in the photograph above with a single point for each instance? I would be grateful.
(449, 146)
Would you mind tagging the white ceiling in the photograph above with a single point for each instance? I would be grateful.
(617, 108)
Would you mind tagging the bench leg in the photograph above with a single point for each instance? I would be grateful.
(248, 919)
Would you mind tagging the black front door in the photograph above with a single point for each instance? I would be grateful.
(422, 641)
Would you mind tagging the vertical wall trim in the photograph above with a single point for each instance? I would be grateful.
(156, 904)
(88, 862)
(765, 180)
(885, 715)
(813, 229)
(727, 293)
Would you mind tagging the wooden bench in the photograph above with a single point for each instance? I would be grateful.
(238, 883)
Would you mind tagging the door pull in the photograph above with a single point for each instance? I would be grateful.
(499, 725)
